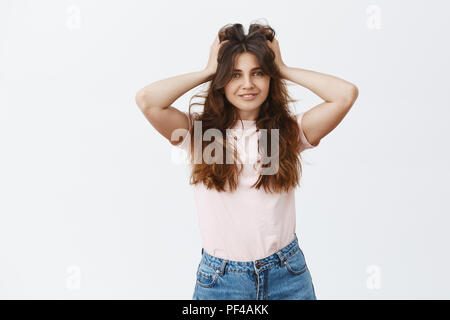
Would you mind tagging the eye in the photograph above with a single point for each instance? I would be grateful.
(253, 73)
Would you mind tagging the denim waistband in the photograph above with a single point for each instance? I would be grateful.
(279, 257)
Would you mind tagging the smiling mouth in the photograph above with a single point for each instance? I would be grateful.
(248, 96)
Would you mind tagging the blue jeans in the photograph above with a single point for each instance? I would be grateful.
(283, 275)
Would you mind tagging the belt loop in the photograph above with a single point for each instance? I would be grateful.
(280, 256)
(222, 267)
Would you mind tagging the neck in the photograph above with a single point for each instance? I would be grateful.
(249, 115)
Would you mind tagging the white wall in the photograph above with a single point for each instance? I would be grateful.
(93, 205)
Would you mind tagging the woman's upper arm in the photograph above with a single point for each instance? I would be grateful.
(303, 139)
(170, 122)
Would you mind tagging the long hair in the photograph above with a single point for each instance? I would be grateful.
(220, 114)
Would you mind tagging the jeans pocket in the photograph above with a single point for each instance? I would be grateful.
(296, 263)
(207, 275)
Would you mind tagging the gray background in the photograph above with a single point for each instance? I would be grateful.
(95, 204)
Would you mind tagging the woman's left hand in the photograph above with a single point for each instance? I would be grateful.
(276, 49)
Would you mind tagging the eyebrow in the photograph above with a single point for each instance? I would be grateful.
(250, 70)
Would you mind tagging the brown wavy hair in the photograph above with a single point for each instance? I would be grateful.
(220, 114)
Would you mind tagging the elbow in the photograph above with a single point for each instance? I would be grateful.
(354, 92)
(141, 99)
(350, 96)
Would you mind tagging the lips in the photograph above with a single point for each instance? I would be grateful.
(247, 94)
(248, 97)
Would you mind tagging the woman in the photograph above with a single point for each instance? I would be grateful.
(246, 212)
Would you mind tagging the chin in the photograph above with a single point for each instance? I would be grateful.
(247, 106)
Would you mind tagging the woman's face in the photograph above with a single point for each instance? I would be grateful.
(247, 78)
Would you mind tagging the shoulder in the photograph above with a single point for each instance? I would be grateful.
(184, 144)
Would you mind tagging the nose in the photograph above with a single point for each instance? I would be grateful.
(248, 84)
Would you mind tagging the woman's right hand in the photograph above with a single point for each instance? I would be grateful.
(211, 67)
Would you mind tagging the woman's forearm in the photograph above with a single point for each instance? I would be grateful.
(328, 87)
(162, 93)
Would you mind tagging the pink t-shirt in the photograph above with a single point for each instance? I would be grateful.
(246, 224)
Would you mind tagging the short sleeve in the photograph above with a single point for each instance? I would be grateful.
(304, 142)
(184, 144)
